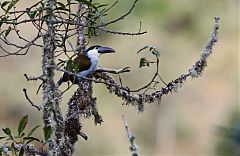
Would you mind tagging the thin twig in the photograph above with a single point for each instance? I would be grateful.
(33, 78)
(29, 100)
(69, 86)
(121, 17)
(120, 80)
(106, 10)
(162, 79)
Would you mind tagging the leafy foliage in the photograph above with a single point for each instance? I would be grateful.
(15, 143)
(47, 132)
(143, 61)
(22, 125)
(7, 5)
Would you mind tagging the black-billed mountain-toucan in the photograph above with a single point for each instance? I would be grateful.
(84, 64)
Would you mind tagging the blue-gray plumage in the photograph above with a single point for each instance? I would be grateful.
(86, 63)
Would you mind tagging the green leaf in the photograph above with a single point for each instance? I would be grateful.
(22, 124)
(92, 30)
(69, 65)
(100, 6)
(47, 132)
(2, 32)
(75, 67)
(4, 4)
(32, 14)
(30, 139)
(73, 48)
(62, 6)
(33, 130)
(7, 131)
(7, 31)
(21, 152)
(2, 138)
(145, 47)
(3, 19)
(143, 62)
(21, 135)
(156, 53)
(12, 4)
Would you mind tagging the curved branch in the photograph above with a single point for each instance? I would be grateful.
(140, 99)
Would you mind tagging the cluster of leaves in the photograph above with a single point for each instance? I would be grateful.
(143, 61)
(93, 13)
(7, 5)
(15, 143)
(7, 18)
(95, 17)
(69, 65)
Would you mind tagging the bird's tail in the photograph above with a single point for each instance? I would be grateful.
(64, 78)
(60, 81)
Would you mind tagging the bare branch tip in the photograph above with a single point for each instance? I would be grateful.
(29, 100)
(216, 18)
(25, 75)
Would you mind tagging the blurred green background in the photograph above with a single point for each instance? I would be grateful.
(186, 122)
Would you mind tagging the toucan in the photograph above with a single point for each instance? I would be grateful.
(84, 64)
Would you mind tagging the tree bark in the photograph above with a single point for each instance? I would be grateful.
(52, 117)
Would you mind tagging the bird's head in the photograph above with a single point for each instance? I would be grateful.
(97, 50)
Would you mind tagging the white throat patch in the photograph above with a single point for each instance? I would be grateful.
(93, 54)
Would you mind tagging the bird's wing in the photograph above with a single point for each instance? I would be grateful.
(82, 62)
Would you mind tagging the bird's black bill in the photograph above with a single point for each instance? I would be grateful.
(103, 50)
